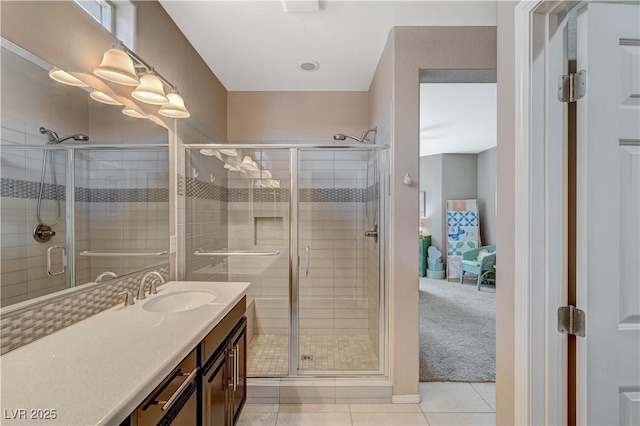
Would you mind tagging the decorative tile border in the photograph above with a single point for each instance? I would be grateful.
(181, 185)
(203, 190)
(21, 326)
(15, 188)
(127, 195)
(259, 195)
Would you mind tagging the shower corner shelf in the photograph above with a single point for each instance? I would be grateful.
(122, 254)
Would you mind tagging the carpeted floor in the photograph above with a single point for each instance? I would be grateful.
(457, 332)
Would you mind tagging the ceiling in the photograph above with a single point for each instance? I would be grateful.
(457, 118)
(255, 46)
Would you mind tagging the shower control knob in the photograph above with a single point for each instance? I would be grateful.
(43, 233)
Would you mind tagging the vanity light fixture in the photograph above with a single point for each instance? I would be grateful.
(211, 153)
(248, 164)
(150, 90)
(132, 113)
(175, 107)
(229, 152)
(102, 97)
(117, 66)
(123, 66)
(64, 77)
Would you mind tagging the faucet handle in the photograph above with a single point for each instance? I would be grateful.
(154, 287)
(128, 298)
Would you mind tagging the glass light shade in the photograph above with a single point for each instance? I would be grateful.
(117, 67)
(229, 152)
(211, 153)
(273, 183)
(99, 96)
(232, 168)
(64, 77)
(248, 164)
(265, 174)
(175, 107)
(132, 113)
(151, 90)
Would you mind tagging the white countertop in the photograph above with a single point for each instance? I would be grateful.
(97, 371)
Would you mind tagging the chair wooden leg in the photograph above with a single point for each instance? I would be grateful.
(462, 277)
(480, 276)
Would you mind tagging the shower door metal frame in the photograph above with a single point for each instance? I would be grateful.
(294, 265)
(294, 257)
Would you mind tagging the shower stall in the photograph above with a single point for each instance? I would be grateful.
(305, 225)
(74, 211)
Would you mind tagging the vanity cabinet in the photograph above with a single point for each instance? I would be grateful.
(209, 387)
(224, 373)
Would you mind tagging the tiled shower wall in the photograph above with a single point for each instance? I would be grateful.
(129, 207)
(24, 275)
(120, 205)
(203, 216)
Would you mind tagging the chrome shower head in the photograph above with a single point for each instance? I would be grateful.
(53, 136)
(55, 139)
(77, 137)
(362, 139)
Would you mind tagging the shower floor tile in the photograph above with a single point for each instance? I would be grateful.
(269, 353)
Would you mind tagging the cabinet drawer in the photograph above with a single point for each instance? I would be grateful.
(221, 331)
(161, 400)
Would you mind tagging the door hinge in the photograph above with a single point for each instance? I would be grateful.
(572, 320)
(572, 87)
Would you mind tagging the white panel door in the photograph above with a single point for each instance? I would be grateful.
(608, 215)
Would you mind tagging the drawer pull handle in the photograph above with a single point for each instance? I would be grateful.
(172, 399)
(235, 367)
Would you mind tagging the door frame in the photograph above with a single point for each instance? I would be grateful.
(541, 240)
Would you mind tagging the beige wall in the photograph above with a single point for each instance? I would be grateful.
(505, 367)
(295, 116)
(408, 50)
(61, 33)
(161, 43)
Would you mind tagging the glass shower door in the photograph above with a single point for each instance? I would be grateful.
(34, 226)
(237, 225)
(338, 274)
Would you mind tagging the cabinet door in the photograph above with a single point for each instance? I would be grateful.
(215, 391)
(239, 373)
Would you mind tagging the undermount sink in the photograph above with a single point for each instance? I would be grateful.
(179, 301)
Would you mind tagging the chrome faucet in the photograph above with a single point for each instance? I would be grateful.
(143, 281)
(106, 274)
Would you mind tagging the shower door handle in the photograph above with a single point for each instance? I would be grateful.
(308, 261)
(64, 261)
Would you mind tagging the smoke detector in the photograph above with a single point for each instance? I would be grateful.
(309, 66)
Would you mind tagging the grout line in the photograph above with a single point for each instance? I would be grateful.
(482, 397)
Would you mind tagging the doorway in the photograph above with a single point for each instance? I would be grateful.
(458, 221)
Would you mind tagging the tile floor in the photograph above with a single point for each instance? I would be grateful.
(442, 404)
(268, 353)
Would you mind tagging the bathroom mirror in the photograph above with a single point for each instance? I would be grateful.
(103, 206)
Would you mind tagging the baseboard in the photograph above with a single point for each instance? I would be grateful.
(405, 399)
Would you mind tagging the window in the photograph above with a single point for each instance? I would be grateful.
(117, 16)
(101, 11)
